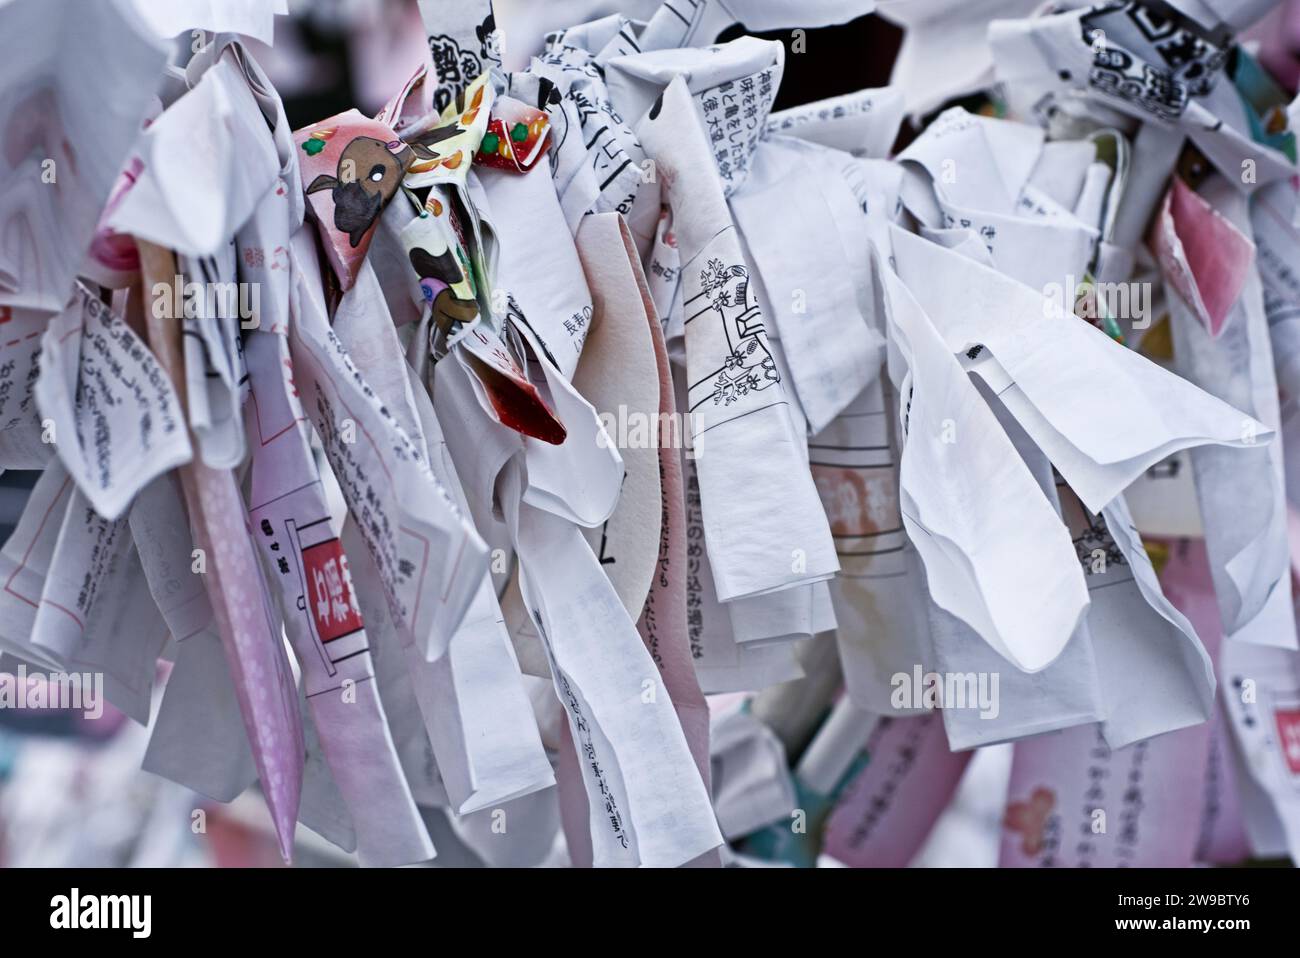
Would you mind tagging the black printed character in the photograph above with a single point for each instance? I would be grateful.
(489, 39)
(548, 94)
(456, 69)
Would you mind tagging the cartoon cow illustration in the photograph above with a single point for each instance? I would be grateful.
(369, 172)
(438, 273)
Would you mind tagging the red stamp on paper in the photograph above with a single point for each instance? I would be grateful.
(330, 596)
(1288, 732)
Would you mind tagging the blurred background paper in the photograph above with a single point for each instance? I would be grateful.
(252, 18)
(62, 140)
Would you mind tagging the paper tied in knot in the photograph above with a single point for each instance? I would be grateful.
(1147, 60)
(733, 86)
(517, 136)
(512, 399)
(1151, 56)
(351, 166)
(433, 245)
(434, 242)
(448, 147)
